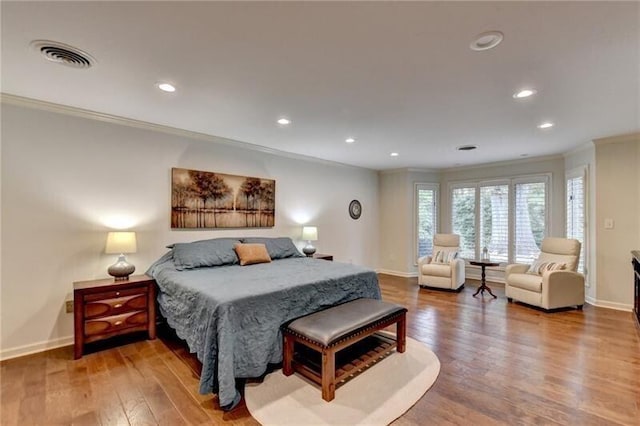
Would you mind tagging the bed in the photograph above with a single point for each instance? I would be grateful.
(230, 315)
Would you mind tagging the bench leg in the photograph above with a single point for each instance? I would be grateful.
(401, 334)
(328, 374)
(287, 356)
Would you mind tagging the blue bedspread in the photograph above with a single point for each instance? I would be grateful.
(230, 316)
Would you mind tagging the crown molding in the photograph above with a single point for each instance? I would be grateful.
(629, 137)
(408, 170)
(505, 163)
(579, 148)
(175, 131)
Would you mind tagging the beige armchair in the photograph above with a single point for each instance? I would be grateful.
(550, 289)
(449, 275)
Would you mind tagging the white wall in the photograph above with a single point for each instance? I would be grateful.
(617, 198)
(67, 180)
(397, 219)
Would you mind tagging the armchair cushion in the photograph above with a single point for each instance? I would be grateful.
(526, 282)
(538, 267)
(437, 270)
(444, 256)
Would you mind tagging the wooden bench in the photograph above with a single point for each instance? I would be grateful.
(337, 328)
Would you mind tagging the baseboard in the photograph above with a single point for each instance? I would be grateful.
(609, 305)
(35, 348)
(397, 273)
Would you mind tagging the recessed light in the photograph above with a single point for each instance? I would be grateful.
(524, 93)
(166, 87)
(487, 40)
(284, 121)
(349, 140)
(466, 148)
(394, 154)
(545, 125)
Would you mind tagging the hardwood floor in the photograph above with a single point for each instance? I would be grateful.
(501, 364)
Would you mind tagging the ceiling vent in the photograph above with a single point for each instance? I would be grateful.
(63, 54)
(466, 148)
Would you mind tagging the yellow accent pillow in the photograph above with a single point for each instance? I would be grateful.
(250, 254)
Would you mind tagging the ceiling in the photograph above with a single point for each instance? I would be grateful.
(398, 77)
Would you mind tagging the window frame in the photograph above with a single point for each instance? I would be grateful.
(510, 216)
(583, 172)
(476, 205)
(435, 187)
(511, 181)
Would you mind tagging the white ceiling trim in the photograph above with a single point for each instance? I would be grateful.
(631, 137)
(138, 124)
(505, 163)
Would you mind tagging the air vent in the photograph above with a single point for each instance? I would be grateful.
(466, 148)
(63, 54)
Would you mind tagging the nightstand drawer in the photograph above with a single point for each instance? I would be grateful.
(120, 305)
(115, 323)
(115, 293)
(106, 308)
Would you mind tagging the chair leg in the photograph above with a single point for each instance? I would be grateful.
(401, 334)
(328, 374)
(287, 357)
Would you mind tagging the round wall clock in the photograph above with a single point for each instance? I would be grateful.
(355, 209)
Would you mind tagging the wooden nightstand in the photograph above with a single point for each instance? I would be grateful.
(323, 256)
(106, 308)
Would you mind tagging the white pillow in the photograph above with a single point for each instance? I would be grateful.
(444, 257)
(539, 266)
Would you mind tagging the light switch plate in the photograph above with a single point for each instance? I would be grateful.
(608, 224)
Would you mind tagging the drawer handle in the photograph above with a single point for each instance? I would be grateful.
(118, 323)
(117, 293)
(118, 305)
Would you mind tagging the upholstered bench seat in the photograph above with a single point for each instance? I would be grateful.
(325, 327)
(337, 328)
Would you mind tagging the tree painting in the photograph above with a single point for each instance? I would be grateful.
(215, 200)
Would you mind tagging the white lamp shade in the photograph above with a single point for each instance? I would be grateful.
(309, 233)
(121, 242)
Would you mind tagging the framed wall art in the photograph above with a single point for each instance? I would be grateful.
(216, 200)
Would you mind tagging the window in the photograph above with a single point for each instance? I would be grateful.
(494, 221)
(508, 217)
(426, 199)
(530, 220)
(576, 211)
(463, 211)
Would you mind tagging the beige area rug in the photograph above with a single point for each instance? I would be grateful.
(378, 396)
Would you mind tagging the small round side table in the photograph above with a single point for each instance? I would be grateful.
(483, 285)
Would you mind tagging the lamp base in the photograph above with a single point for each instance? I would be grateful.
(309, 250)
(121, 269)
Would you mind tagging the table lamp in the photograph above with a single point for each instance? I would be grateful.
(309, 233)
(121, 243)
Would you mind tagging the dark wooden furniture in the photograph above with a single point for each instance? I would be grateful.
(327, 372)
(636, 279)
(323, 256)
(105, 308)
(483, 283)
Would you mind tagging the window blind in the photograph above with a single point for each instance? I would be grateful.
(494, 221)
(426, 219)
(530, 220)
(463, 212)
(576, 214)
